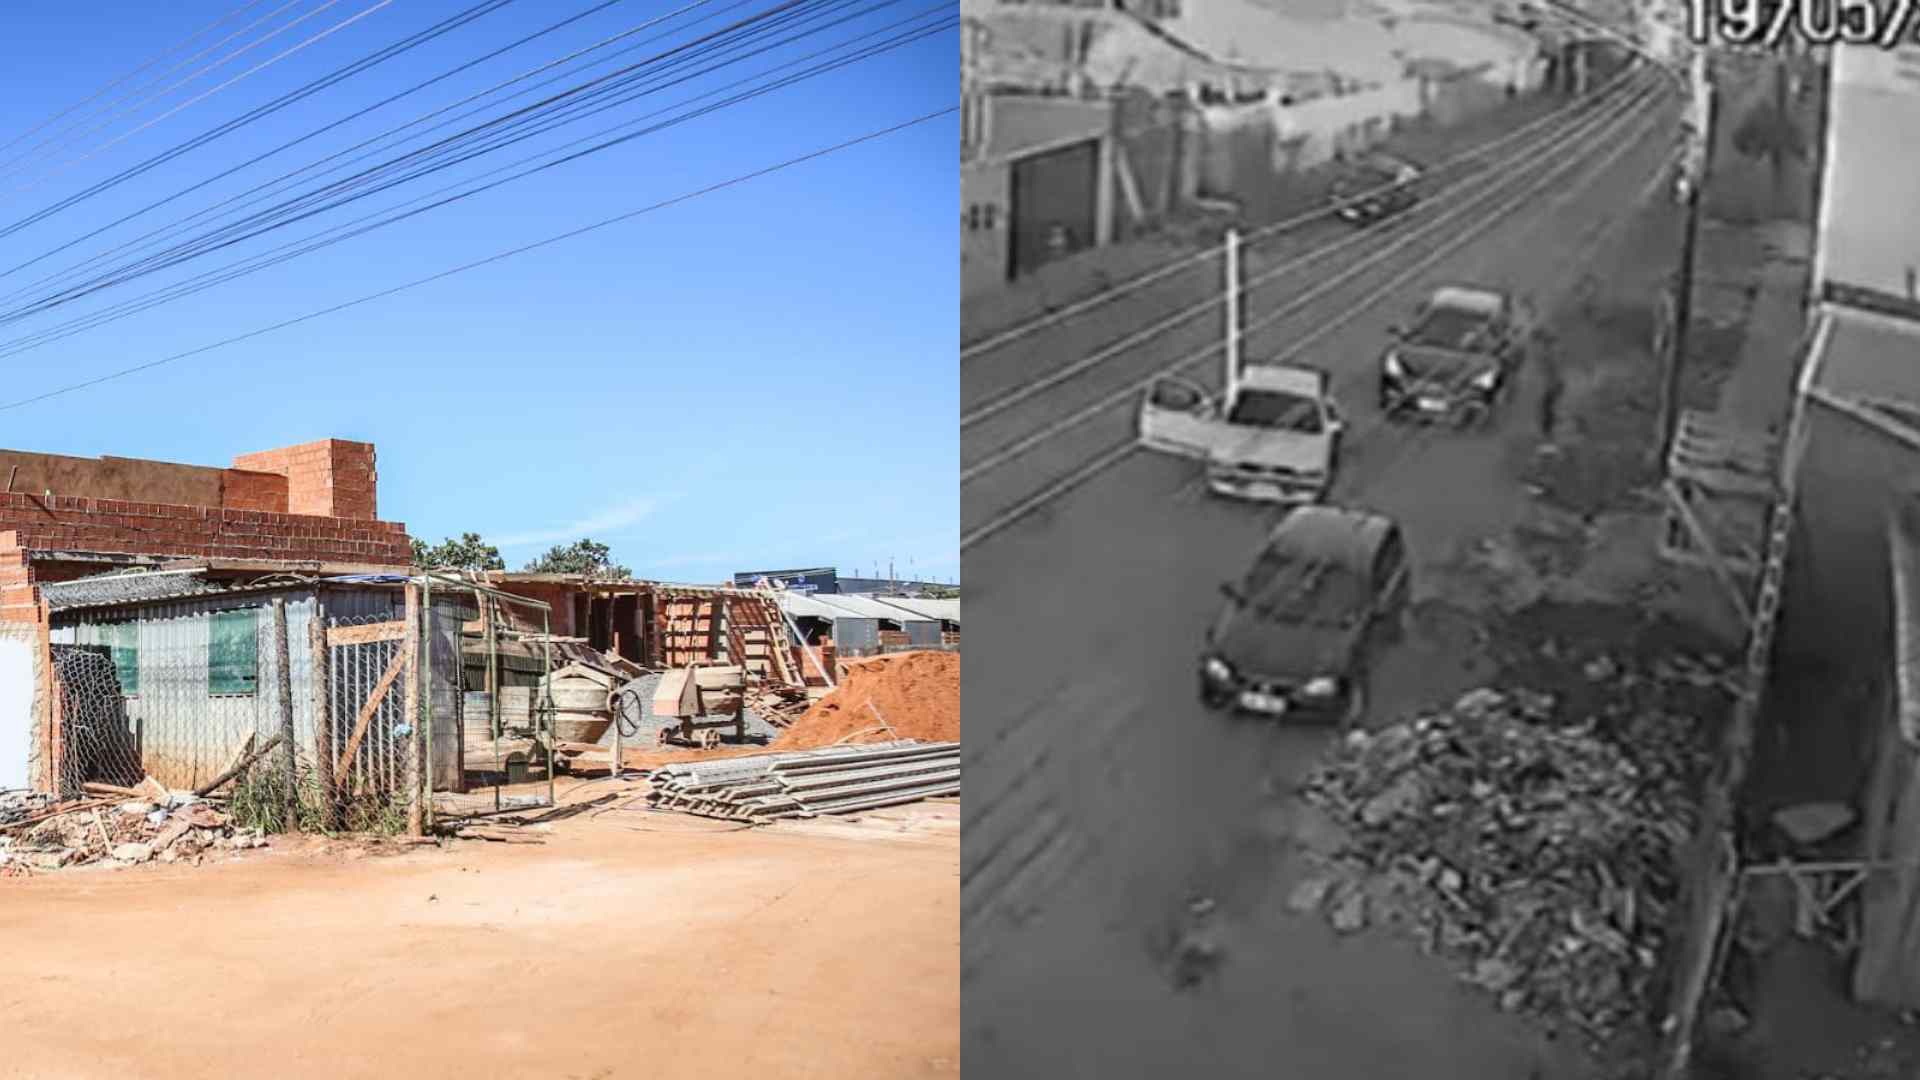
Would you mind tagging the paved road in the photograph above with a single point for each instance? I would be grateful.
(1101, 796)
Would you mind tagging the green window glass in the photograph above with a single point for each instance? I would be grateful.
(233, 653)
(123, 639)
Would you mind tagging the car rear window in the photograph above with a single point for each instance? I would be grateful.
(1285, 587)
(1277, 411)
(1448, 329)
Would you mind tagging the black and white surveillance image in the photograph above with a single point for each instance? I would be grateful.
(1440, 492)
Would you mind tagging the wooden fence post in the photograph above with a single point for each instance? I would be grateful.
(323, 717)
(411, 646)
(282, 656)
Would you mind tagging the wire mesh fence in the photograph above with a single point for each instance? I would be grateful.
(309, 720)
(358, 771)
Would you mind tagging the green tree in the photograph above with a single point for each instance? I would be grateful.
(595, 560)
(939, 592)
(469, 552)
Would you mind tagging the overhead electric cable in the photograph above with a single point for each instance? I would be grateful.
(477, 263)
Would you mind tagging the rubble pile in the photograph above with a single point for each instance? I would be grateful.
(180, 827)
(1537, 856)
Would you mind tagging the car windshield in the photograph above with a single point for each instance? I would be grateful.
(1282, 586)
(1277, 411)
(1446, 328)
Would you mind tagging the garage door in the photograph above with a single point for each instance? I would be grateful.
(16, 710)
(1052, 205)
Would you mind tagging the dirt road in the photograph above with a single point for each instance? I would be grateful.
(603, 952)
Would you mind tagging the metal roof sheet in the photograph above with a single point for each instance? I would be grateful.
(861, 607)
(943, 610)
(803, 606)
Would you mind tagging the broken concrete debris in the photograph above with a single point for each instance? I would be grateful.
(55, 835)
(1537, 856)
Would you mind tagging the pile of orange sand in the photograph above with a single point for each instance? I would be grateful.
(917, 694)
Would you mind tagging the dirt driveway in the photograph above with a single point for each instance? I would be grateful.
(620, 945)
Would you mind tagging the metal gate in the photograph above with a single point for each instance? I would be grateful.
(1052, 205)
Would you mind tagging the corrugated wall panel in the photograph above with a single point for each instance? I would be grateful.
(188, 734)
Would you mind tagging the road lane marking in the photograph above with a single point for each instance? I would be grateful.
(1009, 336)
(1425, 231)
(1633, 115)
(1465, 185)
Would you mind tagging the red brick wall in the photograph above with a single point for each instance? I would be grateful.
(69, 523)
(329, 478)
(241, 489)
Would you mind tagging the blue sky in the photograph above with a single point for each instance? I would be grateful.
(761, 377)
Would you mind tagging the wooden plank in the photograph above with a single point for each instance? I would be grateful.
(244, 761)
(411, 650)
(322, 687)
(367, 710)
(366, 635)
(1728, 580)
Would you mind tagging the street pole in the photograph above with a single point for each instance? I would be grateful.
(1233, 312)
(1695, 173)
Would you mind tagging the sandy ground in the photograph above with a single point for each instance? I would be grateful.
(623, 944)
(1103, 798)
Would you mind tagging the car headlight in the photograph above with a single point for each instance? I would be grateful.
(1395, 369)
(1218, 670)
(1321, 686)
(1486, 380)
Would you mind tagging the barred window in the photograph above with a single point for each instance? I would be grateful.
(233, 652)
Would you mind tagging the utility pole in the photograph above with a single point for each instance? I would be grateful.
(1233, 312)
(1694, 173)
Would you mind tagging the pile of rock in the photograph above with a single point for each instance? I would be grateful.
(1538, 856)
(180, 827)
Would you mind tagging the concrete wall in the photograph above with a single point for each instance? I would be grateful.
(1017, 126)
(985, 230)
(145, 481)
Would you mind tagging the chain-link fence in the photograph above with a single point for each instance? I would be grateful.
(359, 770)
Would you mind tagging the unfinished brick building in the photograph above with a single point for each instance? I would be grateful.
(308, 508)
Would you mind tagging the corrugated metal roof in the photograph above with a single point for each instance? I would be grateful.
(1863, 240)
(943, 610)
(862, 607)
(802, 606)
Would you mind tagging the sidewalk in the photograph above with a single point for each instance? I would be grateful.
(1758, 390)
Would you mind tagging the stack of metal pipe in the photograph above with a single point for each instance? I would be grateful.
(805, 783)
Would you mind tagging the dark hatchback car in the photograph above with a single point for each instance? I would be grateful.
(1374, 188)
(1302, 627)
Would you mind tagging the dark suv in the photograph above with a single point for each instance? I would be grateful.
(1374, 188)
(1300, 629)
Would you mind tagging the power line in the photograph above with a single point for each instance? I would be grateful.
(302, 206)
(245, 195)
(247, 74)
(438, 147)
(138, 99)
(346, 231)
(169, 51)
(488, 260)
(406, 44)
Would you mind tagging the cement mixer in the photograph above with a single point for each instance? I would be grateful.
(706, 698)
